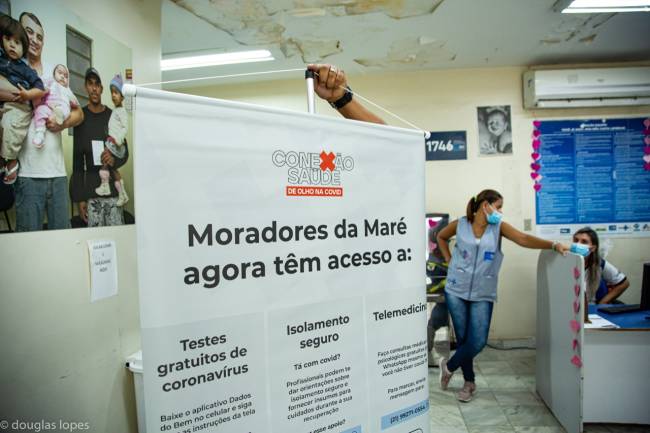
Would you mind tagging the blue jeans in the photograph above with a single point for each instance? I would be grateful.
(472, 324)
(37, 196)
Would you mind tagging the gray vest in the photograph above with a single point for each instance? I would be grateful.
(474, 268)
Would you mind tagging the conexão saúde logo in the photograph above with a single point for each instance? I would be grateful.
(311, 174)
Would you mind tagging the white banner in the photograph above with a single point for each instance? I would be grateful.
(281, 273)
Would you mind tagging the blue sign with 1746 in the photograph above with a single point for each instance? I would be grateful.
(446, 145)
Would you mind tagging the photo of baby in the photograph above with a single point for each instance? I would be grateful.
(494, 130)
(57, 102)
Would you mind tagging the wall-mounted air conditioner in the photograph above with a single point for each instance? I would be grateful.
(599, 87)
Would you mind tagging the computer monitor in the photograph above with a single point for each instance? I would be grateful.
(645, 288)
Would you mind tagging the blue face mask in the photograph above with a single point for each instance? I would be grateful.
(494, 217)
(580, 249)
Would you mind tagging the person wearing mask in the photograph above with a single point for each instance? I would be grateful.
(472, 278)
(604, 283)
(471, 286)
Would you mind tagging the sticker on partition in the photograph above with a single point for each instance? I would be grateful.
(575, 344)
(575, 360)
(576, 289)
(576, 273)
(537, 187)
(576, 306)
(575, 326)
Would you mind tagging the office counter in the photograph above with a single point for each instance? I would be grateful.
(611, 381)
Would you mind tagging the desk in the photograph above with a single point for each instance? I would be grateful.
(613, 383)
(616, 372)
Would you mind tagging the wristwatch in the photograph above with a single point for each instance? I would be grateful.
(343, 100)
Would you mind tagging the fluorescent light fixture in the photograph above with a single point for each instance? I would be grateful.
(201, 61)
(605, 6)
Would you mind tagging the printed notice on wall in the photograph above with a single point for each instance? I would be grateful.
(595, 173)
(103, 269)
(282, 291)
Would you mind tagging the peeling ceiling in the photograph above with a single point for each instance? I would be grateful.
(368, 36)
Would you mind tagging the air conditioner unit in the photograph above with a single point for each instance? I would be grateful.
(600, 87)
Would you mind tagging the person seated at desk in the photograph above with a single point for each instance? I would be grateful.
(604, 283)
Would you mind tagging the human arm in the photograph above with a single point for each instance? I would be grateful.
(615, 291)
(75, 118)
(113, 161)
(23, 95)
(616, 282)
(529, 241)
(82, 206)
(7, 90)
(443, 239)
(331, 84)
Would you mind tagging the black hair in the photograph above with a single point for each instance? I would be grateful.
(488, 195)
(11, 28)
(31, 16)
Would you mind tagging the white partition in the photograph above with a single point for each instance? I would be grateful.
(559, 382)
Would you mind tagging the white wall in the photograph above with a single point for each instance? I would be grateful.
(446, 101)
(62, 357)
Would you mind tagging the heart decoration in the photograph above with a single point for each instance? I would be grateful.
(536, 133)
(647, 141)
(576, 306)
(645, 122)
(536, 166)
(536, 144)
(536, 156)
(576, 273)
(646, 167)
(538, 186)
(575, 344)
(537, 123)
(575, 326)
(432, 223)
(646, 158)
(576, 361)
(646, 150)
(576, 289)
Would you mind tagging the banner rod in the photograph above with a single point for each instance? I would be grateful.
(130, 90)
(311, 102)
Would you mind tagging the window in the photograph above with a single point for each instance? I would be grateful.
(79, 58)
(5, 8)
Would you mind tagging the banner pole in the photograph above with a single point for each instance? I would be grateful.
(311, 102)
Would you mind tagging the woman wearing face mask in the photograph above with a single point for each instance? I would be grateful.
(604, 283)
(471, 288)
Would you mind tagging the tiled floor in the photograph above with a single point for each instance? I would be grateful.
(506, 401)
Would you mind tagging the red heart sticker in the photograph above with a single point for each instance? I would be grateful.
(537, 187)
(536, 156)
(537, 123)
(576, 361)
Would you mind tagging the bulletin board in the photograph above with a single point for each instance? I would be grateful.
(592, 173)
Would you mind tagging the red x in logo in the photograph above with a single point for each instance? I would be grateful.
(327, 161)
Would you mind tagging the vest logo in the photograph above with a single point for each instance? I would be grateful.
(311, 174)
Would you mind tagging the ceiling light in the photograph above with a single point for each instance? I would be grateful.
(170, 64)
(604, 6)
